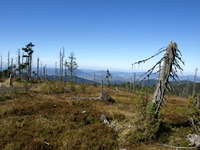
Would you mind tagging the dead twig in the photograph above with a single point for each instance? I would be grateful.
(176, 147)
(193, 115)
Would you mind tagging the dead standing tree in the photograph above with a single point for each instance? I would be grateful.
(8, 64)
(38, 67)
(170, 66)
(19, 64)
(62, 55)
(194, 83)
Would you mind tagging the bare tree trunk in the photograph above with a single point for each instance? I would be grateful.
(11, 65)
(65, 73)
(194, 83)
(44, 73)
(22, 71)
(41, 70)
(63, 55)
(163, 81)
(10, 83)
(8, 59)
(19, 64)
(60, 66)
(8, 63)
(38, 67)
(29, 67)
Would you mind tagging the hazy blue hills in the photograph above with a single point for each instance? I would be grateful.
(92, 76)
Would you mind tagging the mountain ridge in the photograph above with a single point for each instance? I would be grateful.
(117, 76)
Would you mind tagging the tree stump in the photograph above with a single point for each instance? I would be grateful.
(10, 83)
(107, 97)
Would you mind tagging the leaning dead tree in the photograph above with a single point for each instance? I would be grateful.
(168, 67)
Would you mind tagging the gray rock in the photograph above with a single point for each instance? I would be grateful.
(105, 119)
(194, 140)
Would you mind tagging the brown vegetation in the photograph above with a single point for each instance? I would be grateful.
(43, 117)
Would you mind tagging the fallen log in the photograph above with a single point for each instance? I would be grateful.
(105, 96)
(85, 98)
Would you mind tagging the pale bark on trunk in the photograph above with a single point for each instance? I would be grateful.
(11, 70)
(41, 70)
(44, 73)
(30, 67)
(38, 67)
(8, 63)
(194, 83)
(163, 81)
(19, 64)
(60, 77)
(22, 70)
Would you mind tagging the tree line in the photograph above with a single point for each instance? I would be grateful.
(23, 68)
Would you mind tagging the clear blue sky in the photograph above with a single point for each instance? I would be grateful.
(104, 34)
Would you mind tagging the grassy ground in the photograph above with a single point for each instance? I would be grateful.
(41, 116)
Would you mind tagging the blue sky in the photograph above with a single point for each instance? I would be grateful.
(104, 34)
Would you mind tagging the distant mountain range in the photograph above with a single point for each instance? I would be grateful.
(118, 77)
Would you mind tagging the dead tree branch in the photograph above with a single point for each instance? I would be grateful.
(85, 98)
(177, 147)
(143, 61)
